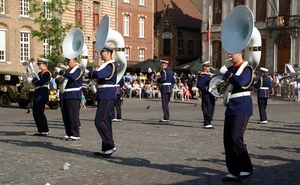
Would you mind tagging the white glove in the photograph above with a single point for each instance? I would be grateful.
(57, 69)
(86, 72)
(223, 69)
(29, 79)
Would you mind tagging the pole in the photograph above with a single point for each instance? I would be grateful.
(209, 25)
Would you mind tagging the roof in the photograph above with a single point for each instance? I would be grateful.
(184, 12)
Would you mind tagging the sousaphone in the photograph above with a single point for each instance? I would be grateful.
(106, 34)
(238, 32)
(73, 46)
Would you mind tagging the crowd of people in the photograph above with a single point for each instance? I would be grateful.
(145, 86)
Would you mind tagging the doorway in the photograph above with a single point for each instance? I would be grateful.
(284, 50)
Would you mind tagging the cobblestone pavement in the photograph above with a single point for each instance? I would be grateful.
(148, 152)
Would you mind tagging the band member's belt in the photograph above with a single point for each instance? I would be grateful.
(236, 95)
(106, 85)
(38, 87)
(167, 84)
(72, 89)
(264, 88)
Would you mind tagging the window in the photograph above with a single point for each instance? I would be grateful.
(217, 52)
(262, 62)
(167, 47)
(24, 46)
(180, 42)
(126, 25)
(142, 27)
(95, 53)
(24, 7)
(47, 47)
(167, 27)
(47, 12)
(78, 13)
(261, 10)
(284, 10)
(239, 2)
(96, 15)
(2, 46)
(2, 6)
(126, 1)
(190, 46)
(142, 2)
(217, 12)
(141, 54)
(126, 53)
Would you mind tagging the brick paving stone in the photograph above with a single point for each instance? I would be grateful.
(148, 152)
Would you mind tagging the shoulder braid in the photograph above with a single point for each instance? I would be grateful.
(79, 74)
(165, 74)
(112, 73)
(49, 76)
(252, 75)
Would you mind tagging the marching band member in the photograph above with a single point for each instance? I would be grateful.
(238, 111)
(166, 80)
(208, 100)
(71, 98)
(263, 86)
(41, 97)
(117, 104)
(106, 97)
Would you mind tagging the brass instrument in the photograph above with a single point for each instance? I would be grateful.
(73, 46)
(106, 34)
(156, 75)
(62, 66)
(239, 24)
(30, 71)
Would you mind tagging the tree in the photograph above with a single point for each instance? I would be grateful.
(51, 29)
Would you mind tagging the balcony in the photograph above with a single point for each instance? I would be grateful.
(283, 22)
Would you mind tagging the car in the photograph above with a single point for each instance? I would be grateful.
(14, 89)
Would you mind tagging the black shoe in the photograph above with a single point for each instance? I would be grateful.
(244, 175)
(230, 178)
(106, 153)
(208, 127)
(41, 133)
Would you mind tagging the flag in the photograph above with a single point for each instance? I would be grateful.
(208, 25)
(208, 32)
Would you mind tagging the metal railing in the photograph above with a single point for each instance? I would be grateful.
(292, 21)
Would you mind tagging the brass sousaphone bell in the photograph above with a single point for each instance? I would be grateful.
(239, 32)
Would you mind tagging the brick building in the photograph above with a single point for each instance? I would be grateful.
(177, 31)
(135, 23)
(17, 45)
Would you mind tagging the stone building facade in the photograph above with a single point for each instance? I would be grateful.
(280, 40)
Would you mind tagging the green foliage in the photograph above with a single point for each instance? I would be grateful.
(51, 28)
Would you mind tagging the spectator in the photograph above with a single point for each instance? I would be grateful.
(186, 92)
(276, 86)
(148, 89)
